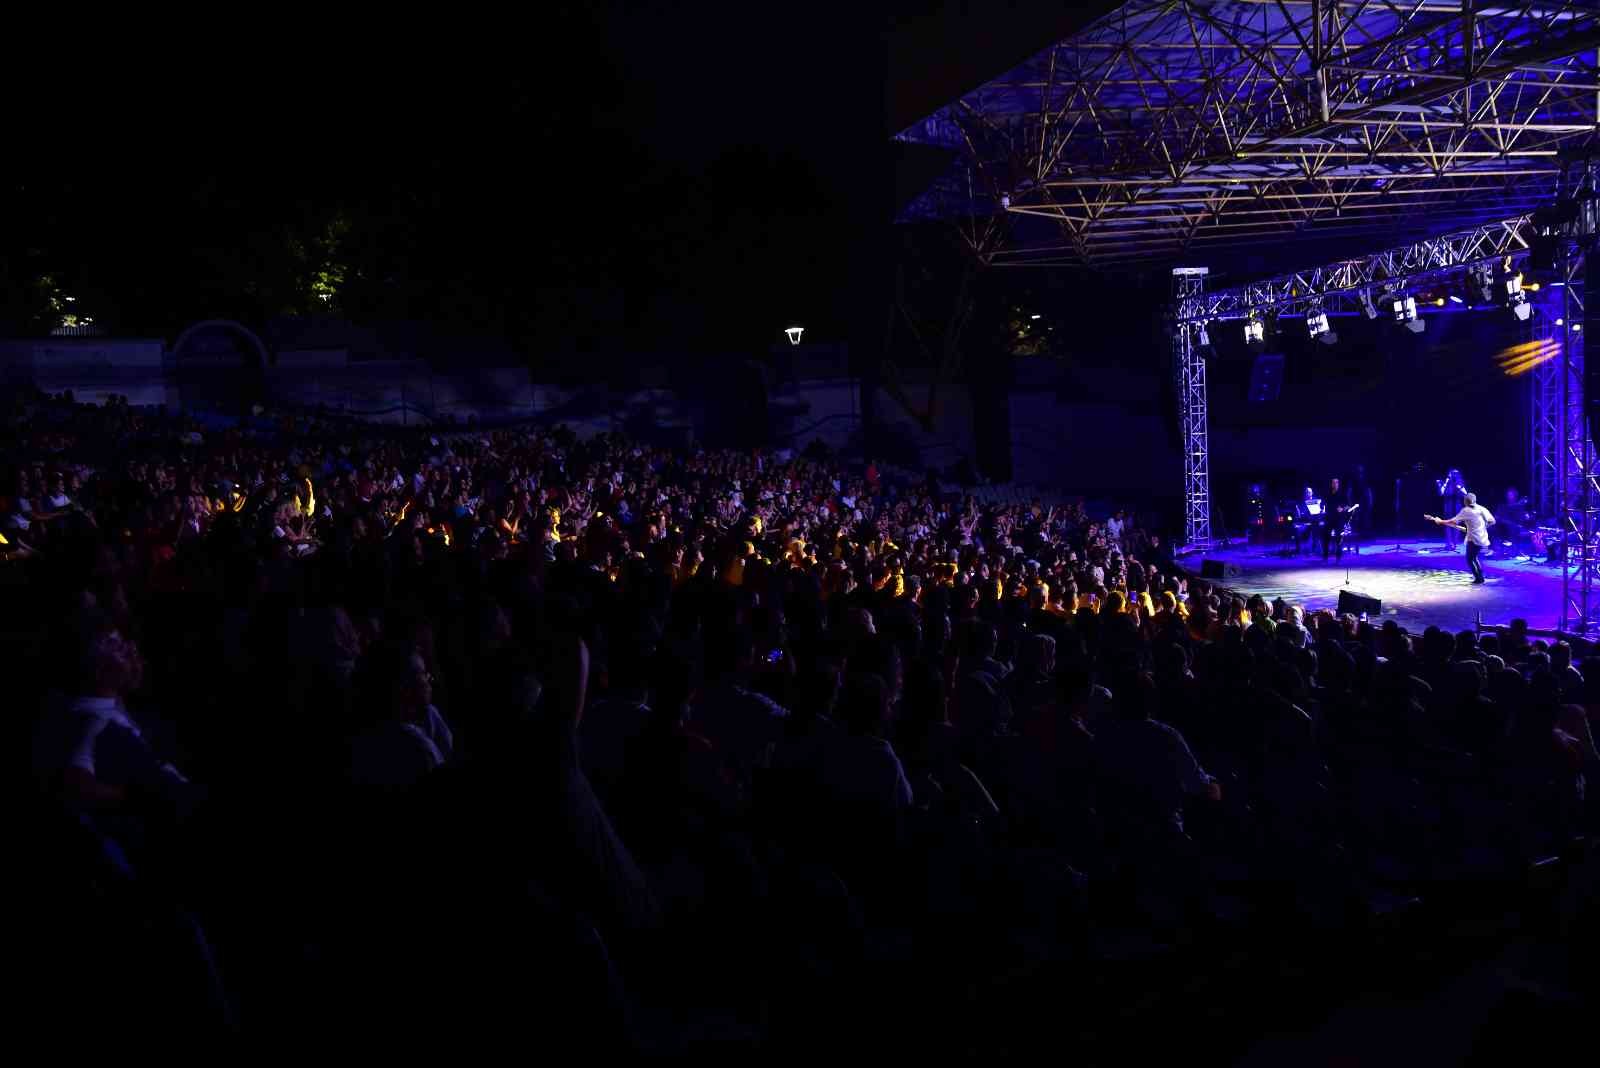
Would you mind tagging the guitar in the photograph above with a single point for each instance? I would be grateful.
(1443, 522)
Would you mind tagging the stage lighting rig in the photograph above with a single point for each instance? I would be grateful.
(1317, 326)
(1405, 313)
(1481, 278)
(1516, 299)
(1255, 331)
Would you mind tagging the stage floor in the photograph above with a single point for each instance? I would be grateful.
(1420, 584)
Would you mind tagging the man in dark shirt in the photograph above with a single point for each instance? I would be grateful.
(1335, 514)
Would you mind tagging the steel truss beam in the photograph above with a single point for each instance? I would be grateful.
(1340, 286)
(1171, 125)
(1189, 364)
(1577, 493)
(1545, 423)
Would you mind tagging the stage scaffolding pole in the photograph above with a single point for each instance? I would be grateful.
(1544, 394)
(1188, 285)
(1577, 492)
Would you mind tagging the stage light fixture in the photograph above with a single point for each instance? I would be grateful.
(1317, 326)
(1255, 331)
(1405, 313)
(1202, 336)
(1483, 281)
(794, 333)
(1367, 304)
(1516, 299)
(1455, 299)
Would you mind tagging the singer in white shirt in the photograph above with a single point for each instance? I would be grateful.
(1474, 521)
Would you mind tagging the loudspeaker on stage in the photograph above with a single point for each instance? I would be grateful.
(1357, 603)
(1217, 569)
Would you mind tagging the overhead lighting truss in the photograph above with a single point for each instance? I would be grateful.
(1345, 286)
(1171, 128)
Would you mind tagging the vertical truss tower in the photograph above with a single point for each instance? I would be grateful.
(1577, 494)
(1189, 363)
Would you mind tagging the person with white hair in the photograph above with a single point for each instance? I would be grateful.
(1474, 521)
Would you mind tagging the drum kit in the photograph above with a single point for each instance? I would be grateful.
(1552, 544)
(1546, 545)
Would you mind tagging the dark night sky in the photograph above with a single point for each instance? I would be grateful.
(603, 178)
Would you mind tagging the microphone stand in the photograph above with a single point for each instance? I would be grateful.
(1398, 548)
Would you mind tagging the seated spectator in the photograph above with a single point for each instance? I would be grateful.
(90, 748)
(1147, 765)
(403, 736)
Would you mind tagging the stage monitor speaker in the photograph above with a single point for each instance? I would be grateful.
(1266, 377)
(1357, 603)
(1216, 569)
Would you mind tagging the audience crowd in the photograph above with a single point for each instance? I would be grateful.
(420, 734)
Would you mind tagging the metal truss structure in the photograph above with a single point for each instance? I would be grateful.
(1577, 493)
(1180, 128)
(1189, 364)
(1226, 129)
(1545, 422)
(1344, 285)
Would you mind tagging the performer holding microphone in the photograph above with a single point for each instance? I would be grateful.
(1451, 491)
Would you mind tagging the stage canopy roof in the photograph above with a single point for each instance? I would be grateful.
(1261, 134)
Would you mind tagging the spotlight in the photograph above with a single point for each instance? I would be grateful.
(1367, 305)
(1483, 282)
(794, 333)
(1516, 299)
(1405, 313)
(1317, 326)
(1455, 299)
(1201, 335)
(1254, 330)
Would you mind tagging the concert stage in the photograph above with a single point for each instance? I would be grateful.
(1420, 584)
